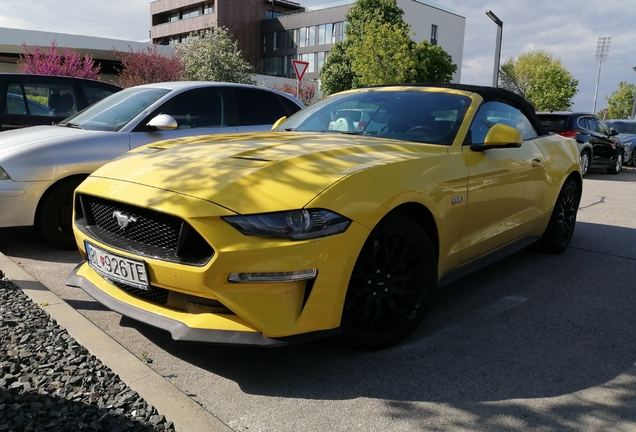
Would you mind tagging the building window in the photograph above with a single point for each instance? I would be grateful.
(434, 34)
(322, 28)
(190, 13)
(302, 37)
(292, 38)
(341, 30)
(330, 36)
(321, 60)
(279, 40)
(309, 58)
(268, 41)
(311, 37)
(208, 8)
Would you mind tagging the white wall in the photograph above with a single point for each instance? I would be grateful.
(451, 28)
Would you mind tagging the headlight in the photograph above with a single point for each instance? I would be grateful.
(292, 225)
(3, 174)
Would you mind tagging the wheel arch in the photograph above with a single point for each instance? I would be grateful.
(423, 217)
(70, 179)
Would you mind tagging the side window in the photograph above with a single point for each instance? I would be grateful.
(257, 107)
(198, 108)
(16, 102)
(590, 124)
(95, 93)
(41, 99)
(492, 113)
(602, 127)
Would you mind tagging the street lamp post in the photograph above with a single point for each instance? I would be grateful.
(602, 50)
(495, 75)
(634, 104)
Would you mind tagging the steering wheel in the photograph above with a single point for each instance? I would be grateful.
(341, 124)
(420, 129)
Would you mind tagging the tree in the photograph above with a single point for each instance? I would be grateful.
(147, 66)
(212, 55)
(396, 59)
(621, 101)
(541, 79)
(66, 63)
(379, 50)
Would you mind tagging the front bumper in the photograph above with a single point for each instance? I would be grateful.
(19, 202)
(179, 330)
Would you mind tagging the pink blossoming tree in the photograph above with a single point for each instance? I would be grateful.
(49, 62)
(147, 66)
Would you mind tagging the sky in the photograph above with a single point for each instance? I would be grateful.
(567, 29)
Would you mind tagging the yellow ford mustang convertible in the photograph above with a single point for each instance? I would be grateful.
(345, 218)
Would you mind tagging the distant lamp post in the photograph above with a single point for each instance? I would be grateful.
(634, 104)
(495, 75)
(602, 50)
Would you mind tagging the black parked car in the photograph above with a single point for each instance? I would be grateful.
(598, 144)
(30, 100)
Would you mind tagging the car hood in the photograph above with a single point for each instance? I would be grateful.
(45, 153)
(258, 172)
(41, 136)
(627, 137)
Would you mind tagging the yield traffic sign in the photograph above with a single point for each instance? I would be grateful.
(300, 67)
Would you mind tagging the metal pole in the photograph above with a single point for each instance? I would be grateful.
(598, 79)
(602, 50)
(634, 104)
(495, 77)
(496, 20)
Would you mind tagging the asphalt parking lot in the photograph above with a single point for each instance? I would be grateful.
(535, 342)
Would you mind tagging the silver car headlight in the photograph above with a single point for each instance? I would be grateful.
(4, 175)
(292, 225)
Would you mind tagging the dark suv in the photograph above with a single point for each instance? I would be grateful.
(29, 100)
(598, 144)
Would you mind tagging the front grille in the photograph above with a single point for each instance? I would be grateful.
(153, 294)
(145, 232)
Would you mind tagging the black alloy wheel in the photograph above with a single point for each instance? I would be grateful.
(560, 230)
(585, 162)
(392, 284)
(55, 214)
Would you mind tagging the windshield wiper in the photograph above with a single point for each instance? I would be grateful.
(72, 125)
(289, 130)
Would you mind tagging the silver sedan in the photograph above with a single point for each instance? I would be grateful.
(41, 166)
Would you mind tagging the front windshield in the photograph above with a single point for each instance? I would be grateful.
(115, 111)
(422, 116)
(623, 127)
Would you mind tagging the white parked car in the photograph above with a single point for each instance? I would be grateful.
(41, 166)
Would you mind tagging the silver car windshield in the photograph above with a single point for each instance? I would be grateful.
(115, 111)
(420, 116)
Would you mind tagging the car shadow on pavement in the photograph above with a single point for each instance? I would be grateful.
(530, 326)
(31, 245)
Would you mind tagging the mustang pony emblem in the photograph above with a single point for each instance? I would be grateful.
(123, 220)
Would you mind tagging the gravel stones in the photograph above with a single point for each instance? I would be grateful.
(49, 382)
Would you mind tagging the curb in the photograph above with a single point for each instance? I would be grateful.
(177, 407)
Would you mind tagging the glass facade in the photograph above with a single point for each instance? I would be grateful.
(303, 37)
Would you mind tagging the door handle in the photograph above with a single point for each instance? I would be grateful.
(537, 163)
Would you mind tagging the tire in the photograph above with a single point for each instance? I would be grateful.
(585, 162)
(558, 234)
(618, 166)
(392, 285)
(55, 214)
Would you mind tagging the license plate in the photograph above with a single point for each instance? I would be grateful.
(117, 268)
